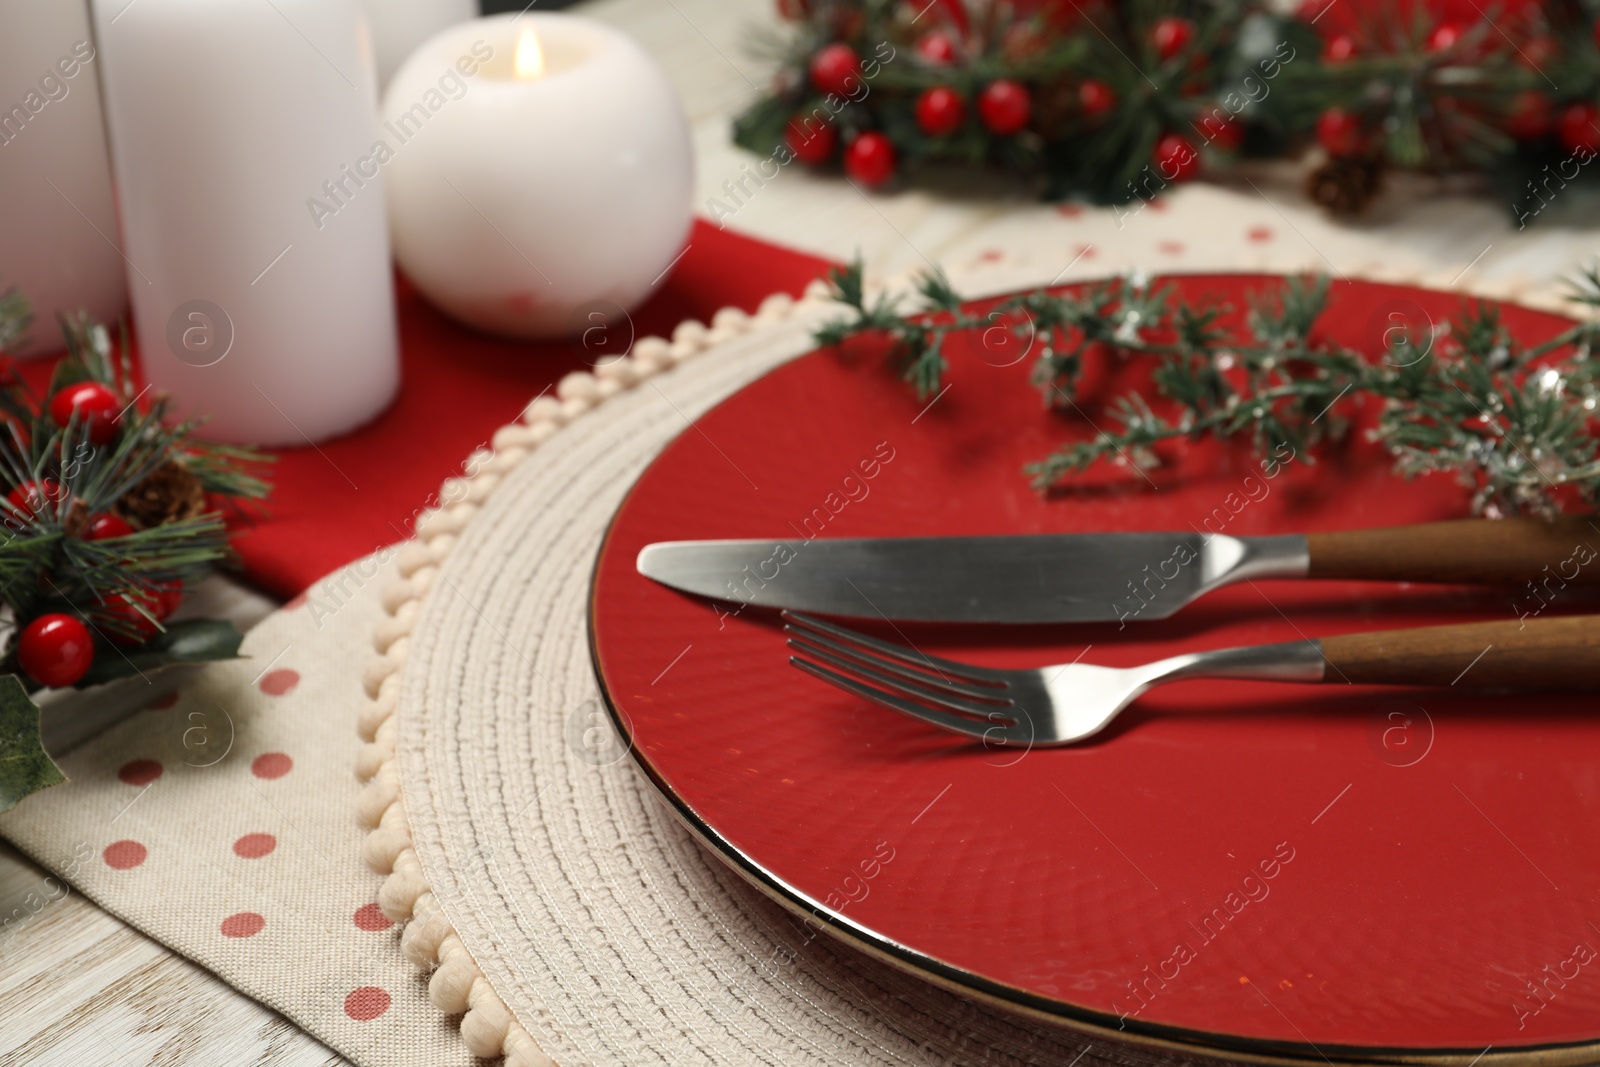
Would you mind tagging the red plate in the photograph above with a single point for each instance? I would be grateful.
(1283, 870)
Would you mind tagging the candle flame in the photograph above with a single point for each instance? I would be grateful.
(529, 56)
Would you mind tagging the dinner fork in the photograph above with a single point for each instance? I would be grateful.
(1068, 702)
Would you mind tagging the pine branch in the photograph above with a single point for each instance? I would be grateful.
(64, 549)
(226, 470)
(1511, 421)
(120, 585)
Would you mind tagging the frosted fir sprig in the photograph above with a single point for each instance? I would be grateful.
(1513, 421)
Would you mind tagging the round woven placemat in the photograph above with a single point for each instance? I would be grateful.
(552, 897)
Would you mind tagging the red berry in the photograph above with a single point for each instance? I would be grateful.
(31, 498)
(126, 618)
(130, 617)
(1224, 131)
(1444, 37)
(1340, 132)
(793, 10)
(1170, 36)
(1529, 117)
(1175, 158)
(55, 650)
(1536, 51)
(1597, 33)
(937, 49)
(940, 110)
(1004, 106)
(102, 527)
(811, 141)
(836, 69)
(870, 159)
(1578, 128)
(1341, 48)
(1096, 98)
(96, 406)
(169, 596)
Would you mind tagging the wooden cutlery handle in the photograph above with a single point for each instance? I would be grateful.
(1554, 653)
(1465, 551)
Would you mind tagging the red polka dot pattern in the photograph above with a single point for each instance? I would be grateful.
(139, 772)
(371, 917)
(277, 683)
(254, 846)
(271, 765)
(244, 924)
(365, 1004)
(124, 855)
(162, 703)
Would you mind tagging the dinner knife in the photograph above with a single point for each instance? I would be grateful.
(1098, 577)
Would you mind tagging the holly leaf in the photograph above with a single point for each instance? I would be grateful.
(25, 767)
(190, 641)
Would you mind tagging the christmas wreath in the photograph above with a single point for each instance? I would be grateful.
(109, 512)
(1113, 102)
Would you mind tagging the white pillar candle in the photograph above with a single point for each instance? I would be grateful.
(57, 222)
(228, 118)
(399, 26)
(539, 171)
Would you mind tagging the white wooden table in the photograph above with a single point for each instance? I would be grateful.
(79, 987)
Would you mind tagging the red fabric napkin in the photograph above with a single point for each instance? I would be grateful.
(355, 494)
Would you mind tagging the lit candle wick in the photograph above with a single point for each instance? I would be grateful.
(529, 57)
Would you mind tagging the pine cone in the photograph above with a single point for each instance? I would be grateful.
(1055, 103)
(1346, 187)
(76, 520)
(167, 494)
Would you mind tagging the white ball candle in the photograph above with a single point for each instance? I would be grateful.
(230, 121)
(56, 211)
(540, 173)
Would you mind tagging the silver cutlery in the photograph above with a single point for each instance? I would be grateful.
(1044, 578)
(1056, 705)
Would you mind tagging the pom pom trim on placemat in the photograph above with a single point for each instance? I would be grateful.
(456, 985)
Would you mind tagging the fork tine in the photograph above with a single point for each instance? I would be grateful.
(868, 657)
(927, 691)
(947, 720)
(965, 671)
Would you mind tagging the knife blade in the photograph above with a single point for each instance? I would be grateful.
(1096, 577)
(1023, 578)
